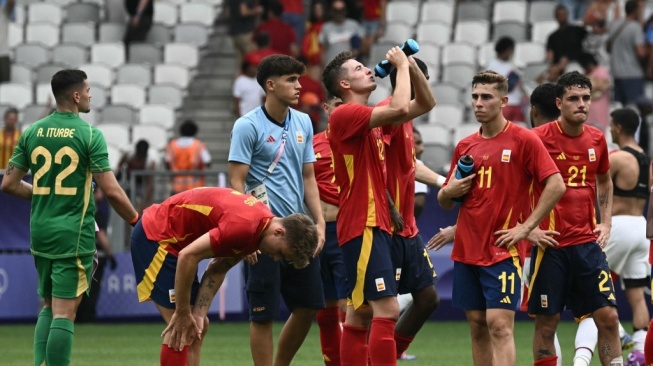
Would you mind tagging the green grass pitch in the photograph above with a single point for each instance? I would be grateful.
(439, 343)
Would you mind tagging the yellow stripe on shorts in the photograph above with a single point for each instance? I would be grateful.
(146, 285)
(358, 295)
(82, 280)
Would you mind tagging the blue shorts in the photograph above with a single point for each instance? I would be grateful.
(415, 271)
(334, 276)
(576, 276)
(267, 279)
(497, 286)
(370, 266)
(155, 270)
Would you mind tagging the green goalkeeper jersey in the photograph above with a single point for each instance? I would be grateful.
(62, 151)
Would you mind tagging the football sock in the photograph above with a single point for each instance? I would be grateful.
(617, 361)
(41, 333)
(622, 331)
(587, 336)
(60, 342)
(556, 343)
(403, 341)
(549, 361)
(648, 345)
(639, 337)
(382, 346)
(330, 333)
(172, 357)
(353, 346)
(582, 357)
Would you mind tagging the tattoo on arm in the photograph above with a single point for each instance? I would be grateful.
(10, 169)
(606, 350)
(203, 301)
(603, 199)
(211, 283)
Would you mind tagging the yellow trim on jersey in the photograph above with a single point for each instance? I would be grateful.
(371, 207)
(505, 224)
(358, 295)
(87, 196)
(204, 210)
(515, 260)
(536, 269)
(552, 220)
(349, 163)
(145, 287)
(82, 280)
(397, 196)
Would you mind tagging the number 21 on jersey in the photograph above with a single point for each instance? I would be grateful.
(59, 188)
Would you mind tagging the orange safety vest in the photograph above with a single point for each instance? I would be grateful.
(185, 158)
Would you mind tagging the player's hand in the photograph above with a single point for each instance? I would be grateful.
(396, 57)
(396, 218)
(183, 330)
(252, 258)
(508, 238)
(603, 230)
(458, 187)
(113, 264)
(543, 238)
(321, 237)
(441, 238)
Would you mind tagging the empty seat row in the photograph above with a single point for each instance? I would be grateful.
(121, 135)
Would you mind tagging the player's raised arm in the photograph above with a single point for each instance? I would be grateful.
(424, 99)
(399, 106)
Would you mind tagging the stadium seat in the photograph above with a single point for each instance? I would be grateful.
(447, 93)
(110, 54)
(157, 114)
(118, 112)
(100, 96)
(21, 74)
(542, 29)
(44, 73)
(439, 11)
(97, 73)
(458, 53)
(44, 12)
(169, 95)
(46, 33)
(62, 3)
(90, 117)
(157, 136)
(406, 12)
(379, 94)
(31, 54)
(509, 11)
(116, 134)
(138, 74)
(197, 12)
(176, 2)
(378, 51)
(473, 32)
(485, 54)
(472, 11)
(32, 113)
(70, 54)
(529, 52)
(434, 32)
(449, 115)
(435, 135)
(44, 94)
(175, 74)
(129, 94)
(16, 34)
(464, 130)
(111, 32)
(21, 14)
(430, 54)
(514, 30)
(397, 33)
(83, 12)
(15, 94)
(145, 53)
(159, 34)
(458, 74)
(114, 156)
(541, 10)
(82, 33)
(193, 33)
(181, 53)
(165, 13)
(534, 70)
(437, 157)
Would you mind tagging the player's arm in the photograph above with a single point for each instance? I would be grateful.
(424, 174)
(454, 188)
(116, 196)
(424, 99)
(237, 175)
(604, 190)
(399, 106)
(312, 200)
(554, 188)
(211, 281)
(13, 184)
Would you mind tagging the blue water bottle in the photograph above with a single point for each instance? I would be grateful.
(465, 168)
(384, 68)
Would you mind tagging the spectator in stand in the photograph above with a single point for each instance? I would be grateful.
(243, 15)
(187, 153)
(140, 14)
(262, 50)
(293, 14)
(311, 47)
(575, 8)
(282, 35)
(599, 75)
(563, 45)
(7, 15)
(505, 48)
(138, 160)
(9, 136)
(340, 33)
(247, 93)
(311, 97)
(598, 17)
(373, 23)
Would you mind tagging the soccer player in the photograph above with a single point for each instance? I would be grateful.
(507, 158)
(64, 153)
(272, 155)
(172, 237)
(363, 223)
(574, 273)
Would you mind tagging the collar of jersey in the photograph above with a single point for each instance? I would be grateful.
(275, 121)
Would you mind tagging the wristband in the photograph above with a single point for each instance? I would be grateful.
(134, 220)
(440, 181)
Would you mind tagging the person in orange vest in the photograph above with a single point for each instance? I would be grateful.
(9, 136)
(187, 153)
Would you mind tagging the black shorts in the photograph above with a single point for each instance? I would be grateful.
(497, 286)
(415, 271)
(576, 277)
(267, 279)
(334, 275)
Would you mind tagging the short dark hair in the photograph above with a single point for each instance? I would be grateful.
(504, 44)
(631, 6)
(10, 110)
(277, 65)
(63, 81)
(586, 59)
(560, 7)
(422, 66)
(544, 99)
(333, 73)
(141, 148)
(188, 128)
(262, 39)
(276, 8)
(491, 77)
(571, 79)
(627, 118)
(301, 234)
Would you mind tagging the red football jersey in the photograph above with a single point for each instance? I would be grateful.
(359, 166)
(579, 160)
(281, 34)
(400, 167)
(505, 165)
(326, 179)
(233, 220)
(371, 9)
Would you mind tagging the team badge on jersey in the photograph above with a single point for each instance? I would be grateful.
(380, 284)
(505, 156)
(592, 154)
(300, 137)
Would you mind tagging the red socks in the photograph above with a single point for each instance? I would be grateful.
(382, 346)
(330, 333)
(549, 361)
(403, 341)
(648, 345)
(171, 357)
(353, 346)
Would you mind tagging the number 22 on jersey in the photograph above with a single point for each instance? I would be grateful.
(59, 188)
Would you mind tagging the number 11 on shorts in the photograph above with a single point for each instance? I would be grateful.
(504, 278)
